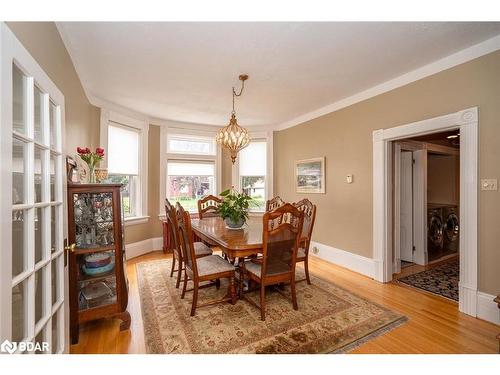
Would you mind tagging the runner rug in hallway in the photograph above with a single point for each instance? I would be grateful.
(441, 280)
(329, 319)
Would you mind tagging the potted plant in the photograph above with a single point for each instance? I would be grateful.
(234, 208)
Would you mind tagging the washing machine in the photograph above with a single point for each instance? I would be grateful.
(451, 230)
(435, 238)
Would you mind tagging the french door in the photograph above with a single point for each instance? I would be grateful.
(32, 270)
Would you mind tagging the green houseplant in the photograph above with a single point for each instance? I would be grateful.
(234, 208)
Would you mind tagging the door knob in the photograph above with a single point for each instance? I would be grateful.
(70, 248)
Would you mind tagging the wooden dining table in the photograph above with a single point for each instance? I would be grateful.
(235, 243)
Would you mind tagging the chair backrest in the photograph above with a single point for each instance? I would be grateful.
(173, 229)
(208, 206)
(186, 238)
(309, 210)
(280, 237)
(276, 202)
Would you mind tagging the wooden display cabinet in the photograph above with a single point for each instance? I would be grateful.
(97, 274)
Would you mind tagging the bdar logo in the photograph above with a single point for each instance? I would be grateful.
(8, 347)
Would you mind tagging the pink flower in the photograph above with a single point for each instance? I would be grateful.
(83, 151)
(99, 151)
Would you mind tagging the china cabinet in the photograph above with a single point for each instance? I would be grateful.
(97, 272)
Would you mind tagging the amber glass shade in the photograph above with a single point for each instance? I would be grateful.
(233, 137)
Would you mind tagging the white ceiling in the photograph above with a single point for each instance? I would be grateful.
(185, 71)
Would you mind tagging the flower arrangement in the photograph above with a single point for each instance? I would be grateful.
(234, 208)
(91, 158)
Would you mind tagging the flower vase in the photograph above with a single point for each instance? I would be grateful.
(91, 174)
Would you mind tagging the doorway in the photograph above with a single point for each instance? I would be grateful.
(426, 226)
(466, 122)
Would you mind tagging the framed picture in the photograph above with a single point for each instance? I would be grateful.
(310, 175)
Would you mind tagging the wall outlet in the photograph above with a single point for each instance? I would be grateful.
(489, 184)
(315, 250)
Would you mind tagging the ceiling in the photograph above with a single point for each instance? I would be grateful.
(185, 71)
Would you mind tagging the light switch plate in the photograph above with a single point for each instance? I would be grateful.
(489, 184)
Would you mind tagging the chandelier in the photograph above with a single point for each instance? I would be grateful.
(234, 137)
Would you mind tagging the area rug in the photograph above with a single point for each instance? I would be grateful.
(329, 319)
(441, 280)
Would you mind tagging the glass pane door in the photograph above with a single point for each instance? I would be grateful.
(37, 277)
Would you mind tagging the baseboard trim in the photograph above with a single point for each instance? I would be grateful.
(487, 309)
(346, 259)
(136, 249)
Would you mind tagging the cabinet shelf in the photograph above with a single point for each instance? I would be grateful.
(88, 225)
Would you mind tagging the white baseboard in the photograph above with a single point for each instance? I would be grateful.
(354, 262)
(136, 249)
(487, 309)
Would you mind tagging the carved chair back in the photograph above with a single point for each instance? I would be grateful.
(209, 206)
(173, 229)
(309, 210)
(281, 234)
(274, 203)
(186, 240)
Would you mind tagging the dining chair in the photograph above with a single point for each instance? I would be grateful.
(309, 210)
(201, 250)
(280, 240)
(208, 268)
(208, 206)
(276, 202)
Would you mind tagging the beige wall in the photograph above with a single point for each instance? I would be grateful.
(43, 42)
(344, 218)
(443, 179)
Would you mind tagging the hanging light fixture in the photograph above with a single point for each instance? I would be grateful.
(234, 137)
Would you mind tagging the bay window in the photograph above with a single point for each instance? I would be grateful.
(125, 143)
(253, 173)
(190, 163)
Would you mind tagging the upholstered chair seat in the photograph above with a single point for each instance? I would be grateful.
(212, 264)
(273, 269)
(301, 253)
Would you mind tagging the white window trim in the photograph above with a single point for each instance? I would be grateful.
(188, 129)
(235, 171)
(143, 127)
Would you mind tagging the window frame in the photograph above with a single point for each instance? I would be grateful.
(266, 136)
(188, 130)
(142, 127)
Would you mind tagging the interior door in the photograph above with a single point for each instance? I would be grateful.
(32, 288)
(406, 206)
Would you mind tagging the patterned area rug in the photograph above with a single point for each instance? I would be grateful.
(329, 319)
(441, 280)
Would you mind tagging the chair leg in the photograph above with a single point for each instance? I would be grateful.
(262, 302)
(195, 299)
(232, 289)
(179, 273)
(173, 265)
(184, 285)
(217, 284)
(306, 268)
(294, 294)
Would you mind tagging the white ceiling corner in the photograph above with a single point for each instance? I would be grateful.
(183, 72)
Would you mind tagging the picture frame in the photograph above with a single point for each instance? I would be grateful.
(310, 176)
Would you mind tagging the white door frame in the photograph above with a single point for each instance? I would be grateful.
(467, 122)
(13, 51)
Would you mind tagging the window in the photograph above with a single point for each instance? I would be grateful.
(189, 144)
(190, 165)
(252, 172)
(123, 164)
(189, 181)
(125, 143)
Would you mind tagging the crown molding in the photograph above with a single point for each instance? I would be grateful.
(463, 56)
(460, 57)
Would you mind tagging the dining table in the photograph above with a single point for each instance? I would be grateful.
(235, 243)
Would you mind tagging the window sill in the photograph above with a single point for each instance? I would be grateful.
(136, 220)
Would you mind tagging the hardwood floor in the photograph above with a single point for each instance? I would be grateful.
(434, 326)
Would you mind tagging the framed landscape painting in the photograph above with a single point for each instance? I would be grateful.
(310, 175)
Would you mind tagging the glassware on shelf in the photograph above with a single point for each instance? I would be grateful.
(93, 219)
(97, 293)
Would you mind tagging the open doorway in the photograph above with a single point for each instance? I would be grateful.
(426, 181)
(466, 121)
